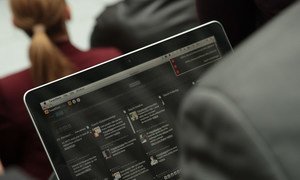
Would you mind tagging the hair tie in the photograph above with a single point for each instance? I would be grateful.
(39, 28)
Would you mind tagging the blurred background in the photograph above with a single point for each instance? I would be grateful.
(14, 54)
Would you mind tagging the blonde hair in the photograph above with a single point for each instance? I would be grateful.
(43, 19)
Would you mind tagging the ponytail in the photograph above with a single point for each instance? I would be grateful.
(43, 20)
(48, 62)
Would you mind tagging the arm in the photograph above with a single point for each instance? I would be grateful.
(103, 34)
(100, 37)
(217, 141)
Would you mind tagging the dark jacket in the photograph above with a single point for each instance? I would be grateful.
(19, 143)
(132, 24)
(242, 121)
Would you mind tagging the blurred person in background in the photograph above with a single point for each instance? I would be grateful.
(51, 56)
(132, 24)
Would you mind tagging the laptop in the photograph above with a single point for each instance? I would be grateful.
(117, 120)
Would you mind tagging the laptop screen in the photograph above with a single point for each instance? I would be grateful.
(123, 126)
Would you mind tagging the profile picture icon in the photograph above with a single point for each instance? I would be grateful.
(97, 132)
(46, 111)
(106, 154)
(153, 161)
(143, 138)
(134, 116)
(70, 103)
(116, 175)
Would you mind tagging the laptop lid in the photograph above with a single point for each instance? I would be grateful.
(117, 120)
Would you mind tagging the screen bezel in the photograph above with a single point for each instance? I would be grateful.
(32, 98)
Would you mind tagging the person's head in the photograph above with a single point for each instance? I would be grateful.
(44, 22)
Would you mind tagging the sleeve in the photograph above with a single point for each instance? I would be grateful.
(113, 29)
(217, 143)
(103, 34)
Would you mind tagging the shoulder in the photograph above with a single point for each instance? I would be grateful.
(95, 56)
(104, 53)
(221, 133)
(205, 106)
(110, 16)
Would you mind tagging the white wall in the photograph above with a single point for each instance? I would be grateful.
(14, 43)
